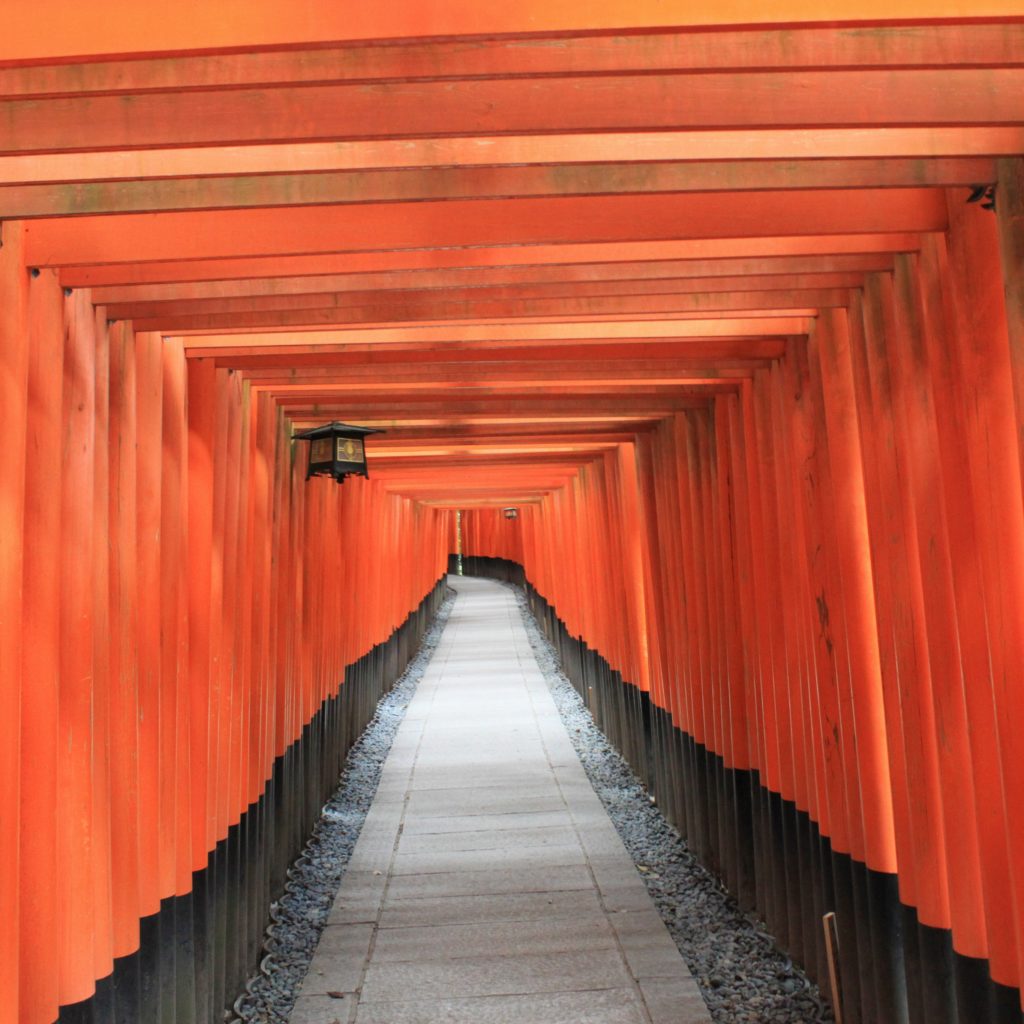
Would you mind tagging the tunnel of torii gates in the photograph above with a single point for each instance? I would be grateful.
(700, 290)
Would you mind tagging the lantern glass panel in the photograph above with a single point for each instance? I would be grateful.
(320, 450)
(350, 449)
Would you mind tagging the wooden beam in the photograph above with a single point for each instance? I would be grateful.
(499, 338)
(503, 374)
(503, 256)
(943, 45)
(623, 351)
(476, 276)
(565, 306)
(171, 309)
(311, 229)
(604, 103)
(446, 183)
(769, 143)
(462, 405)
(53, 29)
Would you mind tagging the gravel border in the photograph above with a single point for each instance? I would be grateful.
(743, 976)
(299, 916)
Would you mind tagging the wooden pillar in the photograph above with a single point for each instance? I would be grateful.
(202, 399)
(1009, 572)
(124, 674)
(14, 361)
(79, 924)
(94, 323)
(40, 656)
(156, 874)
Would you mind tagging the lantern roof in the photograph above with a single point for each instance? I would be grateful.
(335, 429)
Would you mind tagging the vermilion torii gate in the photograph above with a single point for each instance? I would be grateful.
(700, 291)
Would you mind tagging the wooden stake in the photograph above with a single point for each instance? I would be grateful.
(828, 922)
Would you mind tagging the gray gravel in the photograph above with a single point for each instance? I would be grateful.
(300, 914)
(743, 977)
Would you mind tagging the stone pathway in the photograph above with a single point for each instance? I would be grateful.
(488, 885)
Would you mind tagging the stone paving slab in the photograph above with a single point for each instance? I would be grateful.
(495, 938)
(609, 1006)
(488, 884)
(486, 860)
(588, 970)
(559, 878)
(520, 906)
(510, 839)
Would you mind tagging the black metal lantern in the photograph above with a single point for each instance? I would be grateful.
(336, 449)
(510, 513)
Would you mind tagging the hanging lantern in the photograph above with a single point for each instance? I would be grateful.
(510, 513)
(336, 449)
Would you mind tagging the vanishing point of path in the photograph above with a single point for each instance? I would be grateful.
(488, 884)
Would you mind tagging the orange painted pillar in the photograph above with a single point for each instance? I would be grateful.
(689, 669)
(637, 566)
(175, 696)
(787, 524)
(123, 617)
(227, 779)
(263, 555)
(1010, 221)
(758, 424)
(202, 405)
(81, 922)
(216, 797)
(851, 536)
(885, 534)
(650, 471)
(14, 362)
(836, 696)
(94, 321)
(1006, 625)
(751, 528)
(154, 869)
(677, 695)
(40, 655)
(738, 554)
(807, 753)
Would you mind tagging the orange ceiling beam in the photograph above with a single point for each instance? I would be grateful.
(700, 303)
(310, 229)
(659, 387)
(527, 404)
(652, 270)
(385, 186)
(524, 432)
(464, 367)
(312, 329)
(647, 102)
(767, 143)
(447, 298)
(944, 45)
(51, 29)
(629, 350)
(495, 334)
(129, 271)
